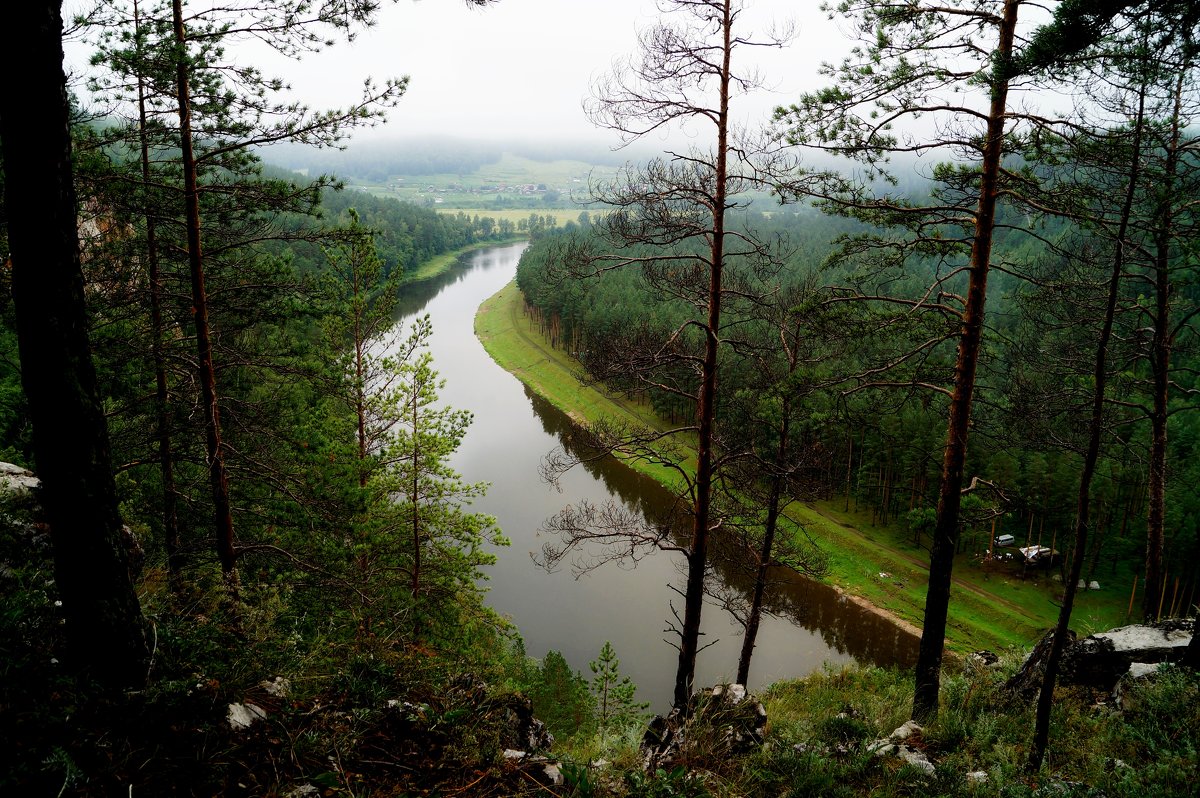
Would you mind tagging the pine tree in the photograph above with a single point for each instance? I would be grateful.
(616, 703)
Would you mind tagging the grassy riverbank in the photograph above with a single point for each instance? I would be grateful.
(442, 263)
(879, 564)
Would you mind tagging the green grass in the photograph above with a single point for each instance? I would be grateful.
(442, 263)
(989, 609)
(821, 727)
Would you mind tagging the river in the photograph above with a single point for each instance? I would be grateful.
(513, 431)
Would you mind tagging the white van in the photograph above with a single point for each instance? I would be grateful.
(1005, 540)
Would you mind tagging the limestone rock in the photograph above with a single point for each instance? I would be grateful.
(520, 730)
(16, 482)
(243, 716)
(1100, 660)
(720, 721)
(902, 744)
(303, 791)
(1138, 672)
(278, 687)
(983, 659)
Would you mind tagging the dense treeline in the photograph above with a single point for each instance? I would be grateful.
(277, 452)
(246, 499)
(880, 446)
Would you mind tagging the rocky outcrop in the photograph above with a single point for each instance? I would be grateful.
(1100, 660)
(19, 488)
(17, 483)
(904, 744)
(720, 721)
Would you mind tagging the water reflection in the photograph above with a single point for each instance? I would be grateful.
(512, 432)
(843, 625)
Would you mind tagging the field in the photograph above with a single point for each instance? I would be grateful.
(514, 182)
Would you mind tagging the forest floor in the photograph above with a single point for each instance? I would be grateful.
(993, 605)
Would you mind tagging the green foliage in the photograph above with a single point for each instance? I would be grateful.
(675, 783)
(616, 705)
(417, 522)
(561, 698)
(578, 780)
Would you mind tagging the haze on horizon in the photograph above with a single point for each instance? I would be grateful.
(518, 70)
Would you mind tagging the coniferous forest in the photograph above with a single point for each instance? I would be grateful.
(954, 288)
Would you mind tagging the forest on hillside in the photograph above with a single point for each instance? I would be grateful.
(1036, 296)
(243, 504)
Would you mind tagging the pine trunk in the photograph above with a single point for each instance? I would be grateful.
(218, 481)
(941, 559)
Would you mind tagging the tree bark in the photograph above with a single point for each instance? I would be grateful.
(218, 480)
(170, 497)
(1041, 733)
(698, 551)
(105, 629)
(941, 559)
(760, 579)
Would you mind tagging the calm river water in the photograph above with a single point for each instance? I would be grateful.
(512, 432)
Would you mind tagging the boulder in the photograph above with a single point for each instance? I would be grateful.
(719, 721)
(1138, 672)
(278, 687)
(1100, 660)
(17, 483)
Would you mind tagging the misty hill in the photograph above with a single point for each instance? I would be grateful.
(375, 160)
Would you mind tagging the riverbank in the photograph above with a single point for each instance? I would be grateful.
(439, 264)
(877, 565)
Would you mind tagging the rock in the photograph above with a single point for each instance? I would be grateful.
(1138, 672)
(17, 483)
(302, 791)
(1027, 681)
(514, 755)
(720, 721)
(1100, 660)
(901, 744)
(279, 687)
(553, 776)
(243, 716)
(133, 548)
(519, 729)
(983, 659)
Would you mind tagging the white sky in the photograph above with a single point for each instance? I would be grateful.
(520, 68)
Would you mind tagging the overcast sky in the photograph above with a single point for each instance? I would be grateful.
(520, 68)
